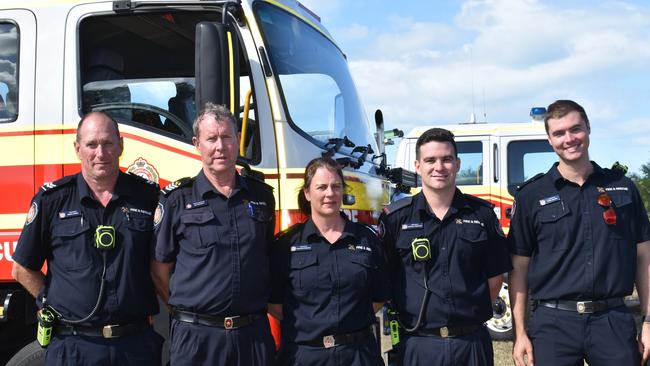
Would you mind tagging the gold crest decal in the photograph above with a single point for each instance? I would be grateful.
(142, 168)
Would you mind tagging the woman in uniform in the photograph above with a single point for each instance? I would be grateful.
(328, 279)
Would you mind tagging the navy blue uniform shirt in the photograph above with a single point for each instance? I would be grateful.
(220, 245)
(60, 228)
(467, 246)
(574, 254)
(327, 288)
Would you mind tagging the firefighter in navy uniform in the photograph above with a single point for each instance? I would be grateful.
(329, 279)
(94, 229)
(579, 238)
(446, 256)
(212, 254)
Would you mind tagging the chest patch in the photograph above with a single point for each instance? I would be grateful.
(412, 226)
(470, 222)
(547, 200)
(300, 248)
(69, 214)
(193, 205)
(610, 189)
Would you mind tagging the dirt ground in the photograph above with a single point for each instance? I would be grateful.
(502, 353)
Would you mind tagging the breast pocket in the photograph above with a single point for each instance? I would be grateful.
(358, 271)
(261, 217)
(624, 229)
(303, 271)
(554, 227)
(199, 229)
(470, 242)
(72, 246)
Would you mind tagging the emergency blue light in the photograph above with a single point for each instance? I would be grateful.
(538, 113)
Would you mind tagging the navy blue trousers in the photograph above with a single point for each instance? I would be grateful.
(194, 344)
(566, 338)
(470, 350)
(140, 348)
(364, 353)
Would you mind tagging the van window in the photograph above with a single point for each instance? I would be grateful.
(527, 158)
(470, 154)
(8, 72)
(139, 68)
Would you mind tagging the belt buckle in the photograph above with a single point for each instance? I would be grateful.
(444, 332)
(229, 322)
(107, 331)
(328, 341)
(585, 307)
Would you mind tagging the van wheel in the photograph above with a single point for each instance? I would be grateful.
(500, 326)
(30, 355)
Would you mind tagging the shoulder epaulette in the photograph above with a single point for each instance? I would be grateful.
(51, 186)
(398, 205)
(255, 176)
(618, 168)
(536, 177)
(478, 200)
(176, 184)
(143, 179)
(369, 228)
(289, 230)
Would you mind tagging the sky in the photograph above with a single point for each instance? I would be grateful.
(424, 62)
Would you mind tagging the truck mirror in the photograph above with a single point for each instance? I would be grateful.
(379, 136)
(216, 66)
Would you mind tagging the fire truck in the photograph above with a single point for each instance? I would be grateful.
(150, 64)
(496, 158)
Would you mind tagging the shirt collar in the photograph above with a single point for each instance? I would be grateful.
(556, 177)
(458, 202)
(311, 232)
(204, 186)
(122, 187)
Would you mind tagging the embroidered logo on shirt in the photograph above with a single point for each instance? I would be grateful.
(139, 210)
(31, 214)
(547, 200)
(609, 189)
(69, 214)
(467, 221)
(361, 247)
(412, 226)
(196, 204)
(160, 212)
(300, 248)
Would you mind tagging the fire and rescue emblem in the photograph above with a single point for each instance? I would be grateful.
(31, 214)
(142, 168)
(158, 215)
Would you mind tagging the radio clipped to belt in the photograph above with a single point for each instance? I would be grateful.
(104, 241)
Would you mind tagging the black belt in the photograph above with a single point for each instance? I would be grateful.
(582, 307)
(334, 340)
(226, 322)
(446, 332)
(104, 331)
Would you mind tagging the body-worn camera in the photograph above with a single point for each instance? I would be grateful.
(421, 249)
(104, 237)
(45, 324)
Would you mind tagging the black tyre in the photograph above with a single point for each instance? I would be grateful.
(30, 355)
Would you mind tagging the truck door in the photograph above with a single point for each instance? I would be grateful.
(521, 158)
(17, 129)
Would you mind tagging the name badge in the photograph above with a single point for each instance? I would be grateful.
(412, 226)
(196, 204)
(547, 200)
(300, 248)
(69, 214)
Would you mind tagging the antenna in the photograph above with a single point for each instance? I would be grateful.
(484, 110)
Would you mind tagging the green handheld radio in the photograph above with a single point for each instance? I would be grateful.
(393, 325)
(45, 325)
(104, 237)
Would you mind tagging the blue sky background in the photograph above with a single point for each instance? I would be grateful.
(425, 62)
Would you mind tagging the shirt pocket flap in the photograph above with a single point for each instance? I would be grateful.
(303, 260)
(473, 235)
(362, 259)
(553, 212)
(70, 229)
(140, 224)
(197, 217)
(621, 199)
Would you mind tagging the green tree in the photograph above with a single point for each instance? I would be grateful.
(642, 182)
